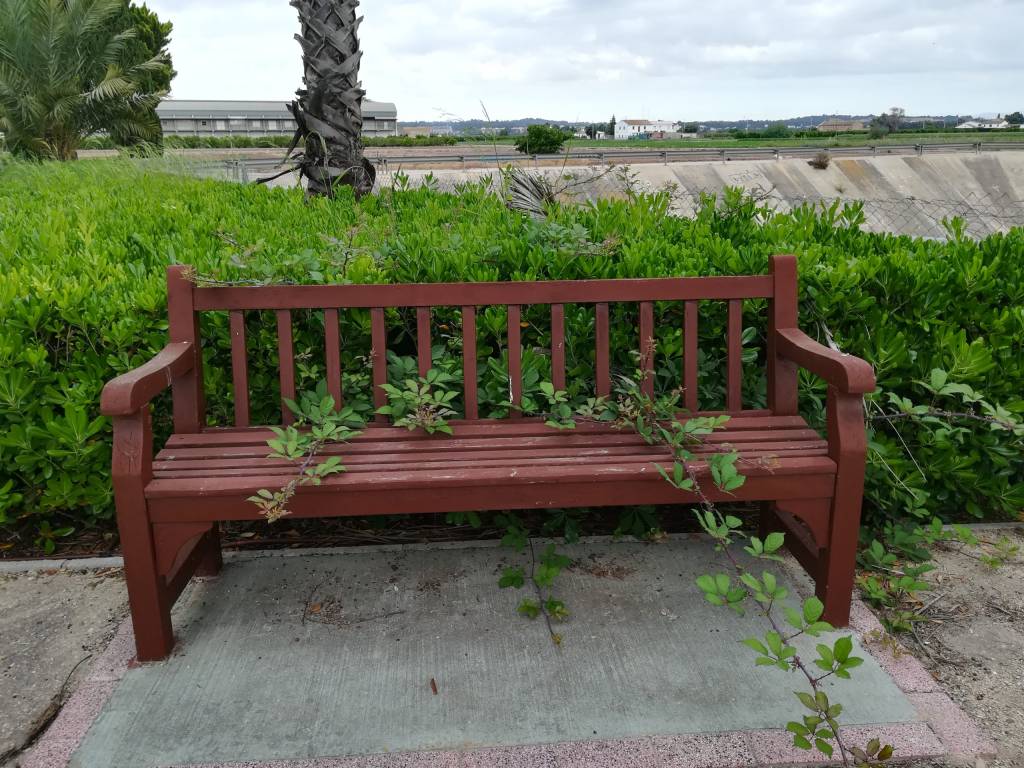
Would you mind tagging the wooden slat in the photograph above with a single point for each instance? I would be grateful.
(647, 348)
(569, 441)
(773, 459)
(423, 355)
(486, 479)
(760, 421)
(482, 294)
(210, 500)
(379, 356)
(286, 361)
(558, 346)
(441, 458)
(734, 357)
(515, 360)
(239, 369)
(469, 360)
(332, 355)
(690, 337)
(603, 384)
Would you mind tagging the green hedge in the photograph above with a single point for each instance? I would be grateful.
(82, 298)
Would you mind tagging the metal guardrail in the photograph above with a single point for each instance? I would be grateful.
(243, 169)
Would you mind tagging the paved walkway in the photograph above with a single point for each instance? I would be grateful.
(329, 659)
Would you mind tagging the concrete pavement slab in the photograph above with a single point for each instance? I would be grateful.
(332, 656)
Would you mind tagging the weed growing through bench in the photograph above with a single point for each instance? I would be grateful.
(317, 424)
(425, 403)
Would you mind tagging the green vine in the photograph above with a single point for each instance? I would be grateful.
(426, 403)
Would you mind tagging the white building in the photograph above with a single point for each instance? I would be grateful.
(974, 125)
(631, 129)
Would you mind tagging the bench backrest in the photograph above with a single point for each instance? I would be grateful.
(186, 301)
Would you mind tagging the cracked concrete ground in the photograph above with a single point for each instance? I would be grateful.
(51, 625)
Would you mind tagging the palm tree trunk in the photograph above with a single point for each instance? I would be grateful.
(328, 111)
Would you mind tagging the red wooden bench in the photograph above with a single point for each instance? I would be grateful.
(169, 506)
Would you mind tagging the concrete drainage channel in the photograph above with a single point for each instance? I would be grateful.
(901, 194)
(644, 676)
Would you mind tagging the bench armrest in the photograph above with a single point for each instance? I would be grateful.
(129, 392)
(848, 374)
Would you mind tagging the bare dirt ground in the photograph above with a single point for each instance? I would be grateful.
(974, 644)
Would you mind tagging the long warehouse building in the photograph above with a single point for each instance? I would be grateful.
(257, 118)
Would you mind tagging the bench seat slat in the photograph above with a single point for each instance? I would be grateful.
(354, 457)
(283, 468)
(387, 481)
(462, 428)
(768, 458)
(530, 442)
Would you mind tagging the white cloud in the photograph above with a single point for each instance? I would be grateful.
(571, 59)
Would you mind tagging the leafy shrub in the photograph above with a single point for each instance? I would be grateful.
(820, 161)
(542, 140)
(82, 298)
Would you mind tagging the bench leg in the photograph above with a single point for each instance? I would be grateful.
(768, 521)
(148, 597)
(847, 446)
(212, 561)
(147, 594)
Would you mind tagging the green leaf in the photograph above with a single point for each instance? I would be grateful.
(813, 609)
(511, 577)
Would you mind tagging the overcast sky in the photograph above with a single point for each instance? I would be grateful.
(587, 59)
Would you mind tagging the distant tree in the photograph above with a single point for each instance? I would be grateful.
(1015, 118)
(152, 37)
(691, 128)
(66, 72)
(611, 126)
(776, 131)
(542, 140)
(591, 131)
(893, 119)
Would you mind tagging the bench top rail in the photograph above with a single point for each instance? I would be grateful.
(482, 294)
(187, 300)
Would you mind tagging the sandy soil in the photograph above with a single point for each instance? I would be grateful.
(974, 643)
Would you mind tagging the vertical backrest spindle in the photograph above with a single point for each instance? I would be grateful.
(332, 355)
(469, 360)
(734, 357)
(690, 337)
(558, 346)
(515, 360)
(379, 358)
(602, 373)
(647, 348)
(286, 362)
(239, 368)
(423, 352)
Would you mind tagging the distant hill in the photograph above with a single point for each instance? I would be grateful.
(802, 122)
